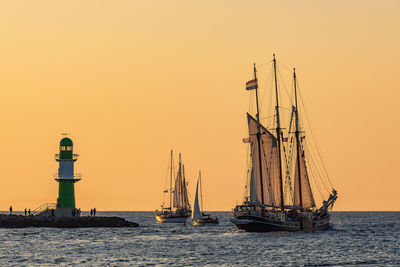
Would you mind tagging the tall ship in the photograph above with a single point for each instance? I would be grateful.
(279, 194)
(200, 218)
(177, 209)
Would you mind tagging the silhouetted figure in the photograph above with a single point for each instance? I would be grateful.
(79, 212)
(91, 212)
(29, 212)
(25, 212)
(52, 212)
(94, 212)
(10, 210)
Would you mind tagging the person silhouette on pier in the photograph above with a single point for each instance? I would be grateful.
(25, 212)
(10, 210)
(29, 212)
(94, 212)
(91, 212)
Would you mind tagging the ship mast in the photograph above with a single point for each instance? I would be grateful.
(170, 182)
(278, 135)
(183, 193)
(180, 182)
(259, 138)
(297, 133)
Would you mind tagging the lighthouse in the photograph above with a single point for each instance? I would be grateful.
(66, 179)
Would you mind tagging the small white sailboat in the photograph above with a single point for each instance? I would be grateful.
(178, 198)
(198, 217)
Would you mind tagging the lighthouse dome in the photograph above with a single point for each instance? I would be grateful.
(66, 142)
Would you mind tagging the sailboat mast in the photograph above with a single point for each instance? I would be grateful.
(297, 133)
(259, 138)
(201, 193)
(278, 135)
(170, 181)
(183, 192)
(180, 182)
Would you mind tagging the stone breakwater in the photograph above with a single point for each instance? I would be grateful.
(20, 221)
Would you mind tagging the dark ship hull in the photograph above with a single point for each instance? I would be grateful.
(262, 224)
(253, 218)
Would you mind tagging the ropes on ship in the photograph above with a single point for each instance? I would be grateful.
(315, 165)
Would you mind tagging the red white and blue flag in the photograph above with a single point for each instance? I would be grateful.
(252, 84)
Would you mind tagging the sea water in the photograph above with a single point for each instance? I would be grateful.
(356, 238)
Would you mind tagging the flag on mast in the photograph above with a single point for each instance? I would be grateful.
(252, 84)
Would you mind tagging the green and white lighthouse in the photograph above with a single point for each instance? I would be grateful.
(66, 178)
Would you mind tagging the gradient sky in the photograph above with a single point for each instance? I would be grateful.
(132, 79)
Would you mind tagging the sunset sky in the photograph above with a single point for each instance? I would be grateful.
(130, 80)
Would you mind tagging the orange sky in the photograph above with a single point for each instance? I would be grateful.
(130, 80)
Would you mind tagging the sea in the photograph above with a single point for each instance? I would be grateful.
(355, 239)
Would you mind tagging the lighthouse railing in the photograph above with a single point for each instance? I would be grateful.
(44, 207)
(74, 156)
(77, 176)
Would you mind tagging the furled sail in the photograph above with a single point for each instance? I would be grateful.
(196, 207)
(306, 192)
(269, 166)
(181, 199)
(186, 204)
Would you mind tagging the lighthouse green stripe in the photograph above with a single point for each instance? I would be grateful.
(66, 194)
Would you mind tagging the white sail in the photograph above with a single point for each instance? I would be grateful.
(196, 207)
(306, 192)
(269, 166)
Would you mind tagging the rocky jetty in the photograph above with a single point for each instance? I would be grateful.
(20, 221)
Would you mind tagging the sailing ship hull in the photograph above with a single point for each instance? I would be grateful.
(262, 224)
(171, 219)
(205, 221)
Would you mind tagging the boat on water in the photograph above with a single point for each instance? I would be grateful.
(177, 210)
(268, 206)
(198, 217)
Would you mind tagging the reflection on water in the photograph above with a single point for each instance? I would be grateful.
(366, 238)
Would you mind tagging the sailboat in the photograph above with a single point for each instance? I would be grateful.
(264, 208)
(178, 209)
(198, 217)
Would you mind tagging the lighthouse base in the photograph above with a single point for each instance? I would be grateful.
(66, 212)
